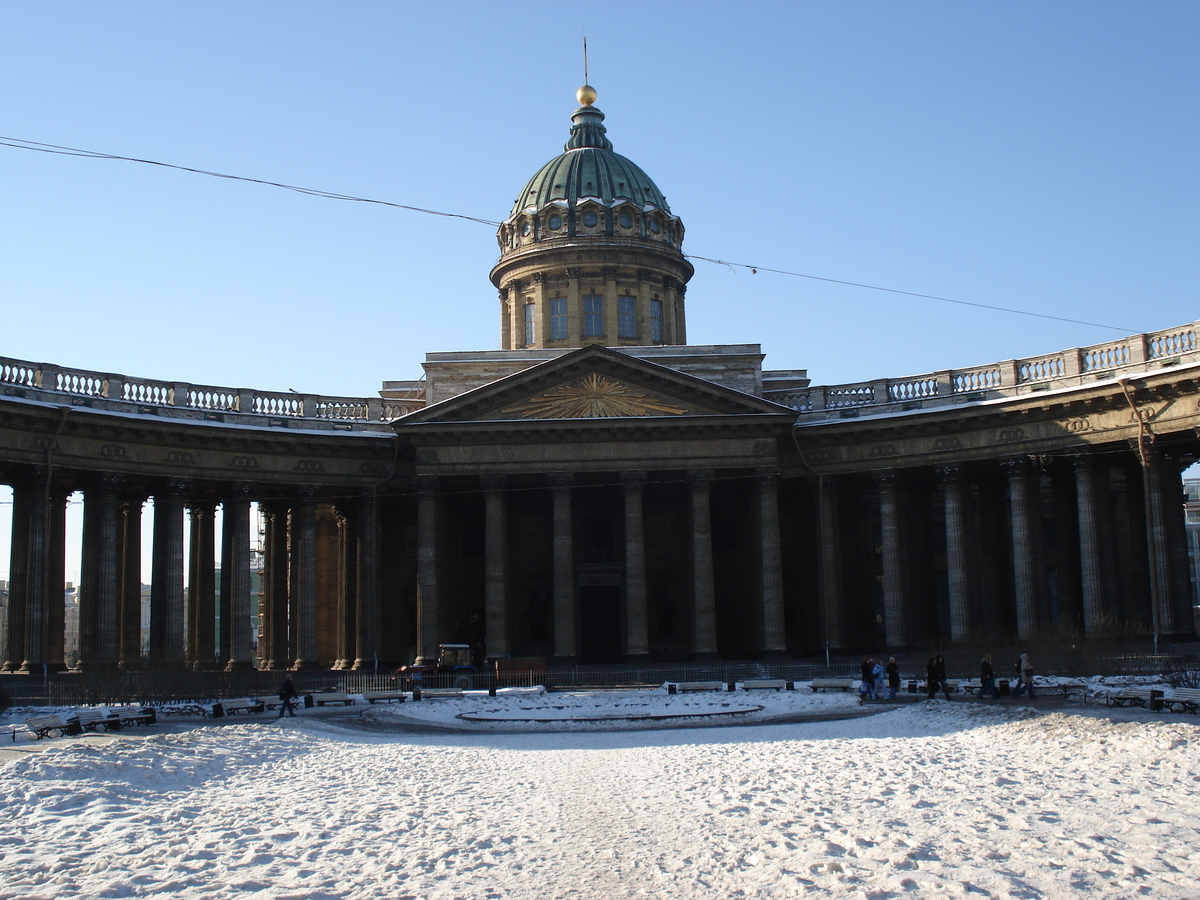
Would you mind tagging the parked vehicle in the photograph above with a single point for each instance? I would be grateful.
(453, 664)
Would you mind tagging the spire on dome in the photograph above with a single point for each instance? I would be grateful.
(588, 129)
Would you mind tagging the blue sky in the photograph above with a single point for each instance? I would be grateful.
(1038, 155)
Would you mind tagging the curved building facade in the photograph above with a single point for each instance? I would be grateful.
(601, 497)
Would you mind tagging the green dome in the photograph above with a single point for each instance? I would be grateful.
(589, 168)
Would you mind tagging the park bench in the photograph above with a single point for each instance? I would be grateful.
(764, 684)
(234, 707)
(271, 702)
(1187, 699)
(683, 687)
(51, 726)
(833, 684)
(95, 719)
(333, 697)
(134, 715)
(181, 709)
(1130, 696)
(435, 693)
(384, 696)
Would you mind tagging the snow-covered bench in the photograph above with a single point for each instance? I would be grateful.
(1187, 699)
(95, 719)
(134, 715)
(384, 696)
(683, 687)
(233, 707)
(435, 693)
(1130, 696)
(833, 684)
(774, 684)
(51, 726)
(333, 697)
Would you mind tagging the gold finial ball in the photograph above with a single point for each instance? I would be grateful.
(586, 95)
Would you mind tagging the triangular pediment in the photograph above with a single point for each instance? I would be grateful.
(594, 383)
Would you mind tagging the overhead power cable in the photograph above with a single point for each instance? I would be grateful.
(872, 287)
(21, 144)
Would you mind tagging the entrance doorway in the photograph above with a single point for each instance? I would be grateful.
(600, 624)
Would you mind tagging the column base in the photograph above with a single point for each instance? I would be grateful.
(639, 659)
(304, 664)
(239, 665)
(564, 661)
(37, 668)
(774, 655)
(705, 656)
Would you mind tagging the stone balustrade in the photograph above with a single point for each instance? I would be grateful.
(1011, 378)
(172, 399)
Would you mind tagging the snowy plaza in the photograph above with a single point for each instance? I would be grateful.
(807, 795)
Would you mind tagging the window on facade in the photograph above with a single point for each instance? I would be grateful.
(529, 311)
(558, 318)
(627, 314)
(656, 320)
(593, 315)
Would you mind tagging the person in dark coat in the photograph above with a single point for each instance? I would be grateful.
(987, 678)
(866, 690)
(936, 676)
(1025, 685)
(893, 677)
(287, 693)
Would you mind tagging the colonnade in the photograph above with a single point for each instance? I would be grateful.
(185, 608)
(964, 550)
(567, 575)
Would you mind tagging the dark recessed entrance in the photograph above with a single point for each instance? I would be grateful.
(600, 624)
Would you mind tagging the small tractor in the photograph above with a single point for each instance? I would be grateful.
(452, 666)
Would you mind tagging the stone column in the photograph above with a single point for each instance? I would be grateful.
(304, 581)
(99, 594)
(202, 588)
(895, 601)
(831, 564)
(47, 611)
(1026, 520)
(1168, 549)
(166, 579)
(346, 611)
(26, 495)
(366, 610)
(704, 605)
(496, 568)
(774, 640)
(565, 636)
(274, 651)
(129, 627)
(962, 622)
(427, 565)
(1094, 565)
(637, 638)
(237, 634)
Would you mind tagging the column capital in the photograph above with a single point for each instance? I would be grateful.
(1016, 466)
(949, 472)
(633, 479)
(240, 491)
(494, 482)
(561, 479)
(700, 476)
(573, 271)
(425, 484)
(766, 473)
(886, 480)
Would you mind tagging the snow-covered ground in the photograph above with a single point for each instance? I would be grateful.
(957, 799)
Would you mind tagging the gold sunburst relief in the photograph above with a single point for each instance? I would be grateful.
(592, 397)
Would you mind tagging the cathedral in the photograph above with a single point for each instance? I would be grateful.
(600, 491)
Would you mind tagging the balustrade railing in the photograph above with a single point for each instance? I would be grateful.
(147, 396)
(1136, 353)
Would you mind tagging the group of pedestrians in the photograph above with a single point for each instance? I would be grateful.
(875, 671)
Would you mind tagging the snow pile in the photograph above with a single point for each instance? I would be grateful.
(931, 799)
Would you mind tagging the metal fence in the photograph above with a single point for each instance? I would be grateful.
(163, 688)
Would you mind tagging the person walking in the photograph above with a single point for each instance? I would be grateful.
(936, 677)
(987, 678)
(866, 690)
(287, 693)
(1025, 685)
(893, 677)
(877, 672)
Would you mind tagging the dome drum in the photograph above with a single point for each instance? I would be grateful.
(590, 253)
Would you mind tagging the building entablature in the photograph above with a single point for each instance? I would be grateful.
(1151, 408)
